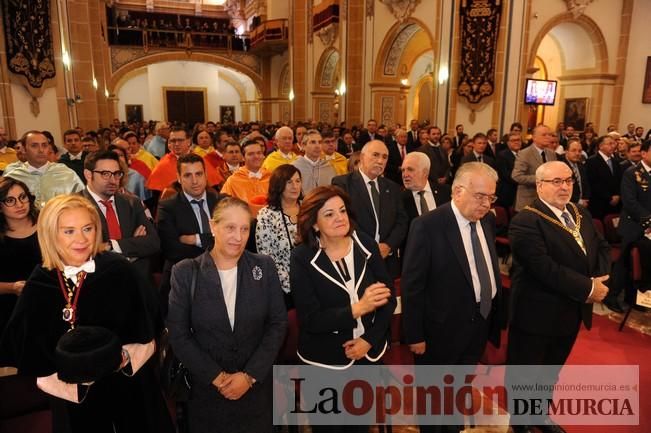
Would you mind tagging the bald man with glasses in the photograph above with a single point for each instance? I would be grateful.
(560, 264)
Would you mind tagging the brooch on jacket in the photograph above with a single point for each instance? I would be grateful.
(257, 273)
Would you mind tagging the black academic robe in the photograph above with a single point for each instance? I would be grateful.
(110, 297)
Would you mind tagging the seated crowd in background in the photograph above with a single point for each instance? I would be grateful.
(163, 199)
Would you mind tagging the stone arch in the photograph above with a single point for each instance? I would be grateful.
(410, 38)
(559, 29)
(117, 78)
(327, 71)
(588, 25)
(284, 82)
(424, 81)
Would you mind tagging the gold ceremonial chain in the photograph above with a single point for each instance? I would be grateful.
(71, 295)
(576, 233)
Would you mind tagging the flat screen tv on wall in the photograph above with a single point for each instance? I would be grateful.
(540, 92)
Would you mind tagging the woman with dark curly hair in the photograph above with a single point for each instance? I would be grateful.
(275, 232)
(19, 252)
(341, 288)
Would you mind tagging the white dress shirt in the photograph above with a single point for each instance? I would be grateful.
(349, 259)
(228, 279)
(464, 228)
(370, 196)
(195, 209)
(429, 198)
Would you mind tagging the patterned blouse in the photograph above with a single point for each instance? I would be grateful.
(275, 236)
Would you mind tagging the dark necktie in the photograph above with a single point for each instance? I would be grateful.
(577, 175)
(486, 290)
(609, 161)
(423, 203)
(568, 221)
(402, 151)
(375, 194)
(544, 157)
(114, 231)
(205, 226)
(480, 158)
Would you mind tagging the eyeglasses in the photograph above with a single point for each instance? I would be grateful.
(106, 175)
(11, 201)
(558, 181)
(479, 196)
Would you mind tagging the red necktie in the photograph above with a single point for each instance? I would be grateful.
(112, 221)
(402, 151)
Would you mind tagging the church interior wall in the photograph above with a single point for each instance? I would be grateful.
(633, 110)
(177, 74)
(48, 117)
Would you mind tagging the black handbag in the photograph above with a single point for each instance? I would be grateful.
(176, 378)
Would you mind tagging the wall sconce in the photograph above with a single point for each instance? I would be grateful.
(291, 95)
(404, 82)
(106, 92)
(94, 83)
(342, 88)
(76, 100)
(444, 74)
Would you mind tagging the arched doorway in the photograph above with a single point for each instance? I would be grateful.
(573, 52)
(402, 75)
(326, 83)
(223, 82)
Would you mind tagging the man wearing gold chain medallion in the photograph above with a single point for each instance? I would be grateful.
(560, 264)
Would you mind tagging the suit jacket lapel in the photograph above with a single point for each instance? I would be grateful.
(410, 205)
(209, 267)
(244, 275)
(360, 257)
(362, 192)
(123, 212)
(490, 241)
(383, 188)
(456, 243)
(324, 266)
(190, 215)
(102, 218)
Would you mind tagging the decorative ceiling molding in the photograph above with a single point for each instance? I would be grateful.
(401, 9)
(577, 7)
(328, 34)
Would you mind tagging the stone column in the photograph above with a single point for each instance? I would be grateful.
(354, 74)
(298, 52)
(79, 26)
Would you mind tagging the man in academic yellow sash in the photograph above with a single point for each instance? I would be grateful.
(560, 265)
